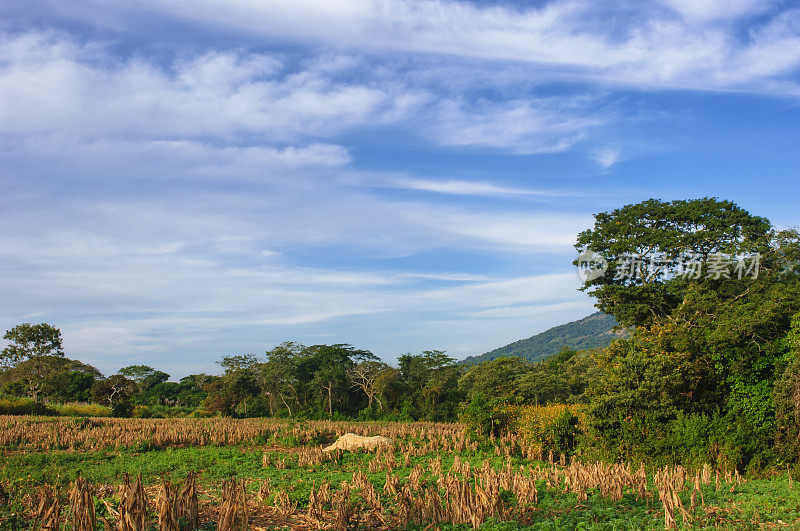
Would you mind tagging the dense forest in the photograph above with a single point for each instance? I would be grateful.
(707, 369)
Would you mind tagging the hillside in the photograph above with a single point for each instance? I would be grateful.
(595, 330)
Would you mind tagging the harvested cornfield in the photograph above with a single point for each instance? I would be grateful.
(260, 474)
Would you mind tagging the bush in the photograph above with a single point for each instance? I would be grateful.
(141, 412)
(169, 412)
(486, 417)
(122, 409)
(201, 413)
(556, 427)
(786, 397)
(14, 405)
(79, 409)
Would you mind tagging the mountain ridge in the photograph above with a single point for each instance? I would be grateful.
(593, 331)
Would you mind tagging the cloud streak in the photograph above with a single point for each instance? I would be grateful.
(676, 44)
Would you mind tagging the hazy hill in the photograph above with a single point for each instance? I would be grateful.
(592, 331)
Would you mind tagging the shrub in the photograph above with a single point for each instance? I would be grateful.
(79, 409)
(786, 397)
(141, 412)
(486, 417)
(201, 413)
(14, 405)
(122, 409)
(556, 427)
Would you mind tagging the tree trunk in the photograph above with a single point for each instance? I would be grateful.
(329, 388)
(114, 391)
(287, 406)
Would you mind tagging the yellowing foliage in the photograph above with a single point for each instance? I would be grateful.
(542, 426)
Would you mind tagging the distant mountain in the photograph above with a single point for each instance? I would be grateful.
(592, 331)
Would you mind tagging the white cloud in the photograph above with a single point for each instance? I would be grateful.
(699, 46)
(706, 10)
(51, 85)
(507, 230)
(54, 87)
(606, 157)
(524, 127)
(508, 292)
(458, 187)
(173, 159)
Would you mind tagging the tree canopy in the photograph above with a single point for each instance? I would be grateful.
(28, 341)
(652, 240)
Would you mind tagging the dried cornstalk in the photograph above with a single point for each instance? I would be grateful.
(283, 503)
(391, 487)
(436, 465)
(132, 512)
(188, 506)
(697, 491)
(315, 504)
(414, 479)
(264, 490)
(48, 512)
(233, 509)
(81, 504)
(345, 515)
(166, 507)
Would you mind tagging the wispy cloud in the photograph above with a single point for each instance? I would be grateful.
(677, 43)
(224, 95)
(524, 127)
(606, 157)
(477, 188)
(710, 10)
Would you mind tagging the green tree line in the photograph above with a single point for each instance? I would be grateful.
(297, 381)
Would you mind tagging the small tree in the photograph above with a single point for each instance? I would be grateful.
(366, 376)
(116, 391)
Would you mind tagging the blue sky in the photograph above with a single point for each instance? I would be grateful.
(185, 180)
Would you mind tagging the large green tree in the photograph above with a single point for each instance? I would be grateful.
(648, 245)
(29, 341)
(33, 351)
(429, 385)
(279, 374)
(497, 378)
(696, 377)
